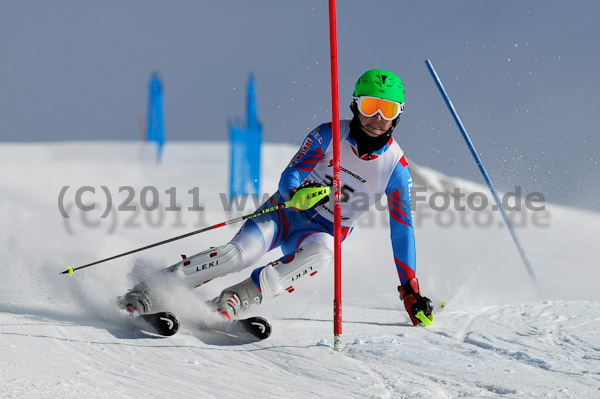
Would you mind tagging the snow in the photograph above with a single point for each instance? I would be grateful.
(498, 336)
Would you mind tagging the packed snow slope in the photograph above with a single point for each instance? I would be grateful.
(499, 335)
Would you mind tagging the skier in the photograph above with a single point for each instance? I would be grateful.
(372, 163)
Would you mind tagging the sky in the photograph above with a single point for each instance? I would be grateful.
(523, 76)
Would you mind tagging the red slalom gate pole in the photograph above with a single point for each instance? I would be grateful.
(337, 206)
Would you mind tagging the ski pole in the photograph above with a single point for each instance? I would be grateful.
(303, 200)
(482, 169)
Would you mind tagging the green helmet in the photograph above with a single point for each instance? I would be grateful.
(381, 84)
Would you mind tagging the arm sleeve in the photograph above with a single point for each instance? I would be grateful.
(401, 224)
(312, 150)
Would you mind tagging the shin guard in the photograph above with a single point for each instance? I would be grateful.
(204, 266)
(285, 273)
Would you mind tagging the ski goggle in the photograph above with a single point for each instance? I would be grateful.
(369, 106)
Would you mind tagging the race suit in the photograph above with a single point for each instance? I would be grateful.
(364, 180)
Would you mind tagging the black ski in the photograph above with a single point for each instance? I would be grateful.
(160, 323)
(257, 326)
(251, 328)
(167, 324)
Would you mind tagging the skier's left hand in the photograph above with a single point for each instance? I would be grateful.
(303, 196)
(410, 293)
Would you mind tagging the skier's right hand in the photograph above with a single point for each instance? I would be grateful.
(414, 303)
(309, 194)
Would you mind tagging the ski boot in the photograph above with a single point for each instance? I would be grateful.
(237, 298)
(136, 301)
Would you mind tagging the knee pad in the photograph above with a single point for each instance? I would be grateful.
(285, 273)
(207, 265)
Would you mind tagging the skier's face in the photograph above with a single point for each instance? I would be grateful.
(374, 125)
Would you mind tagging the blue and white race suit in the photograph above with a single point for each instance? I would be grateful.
(364, 180)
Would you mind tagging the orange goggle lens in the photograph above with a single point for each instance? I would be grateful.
(369, 106)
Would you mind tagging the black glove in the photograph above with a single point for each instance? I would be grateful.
(413, 301)
(308, 184)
